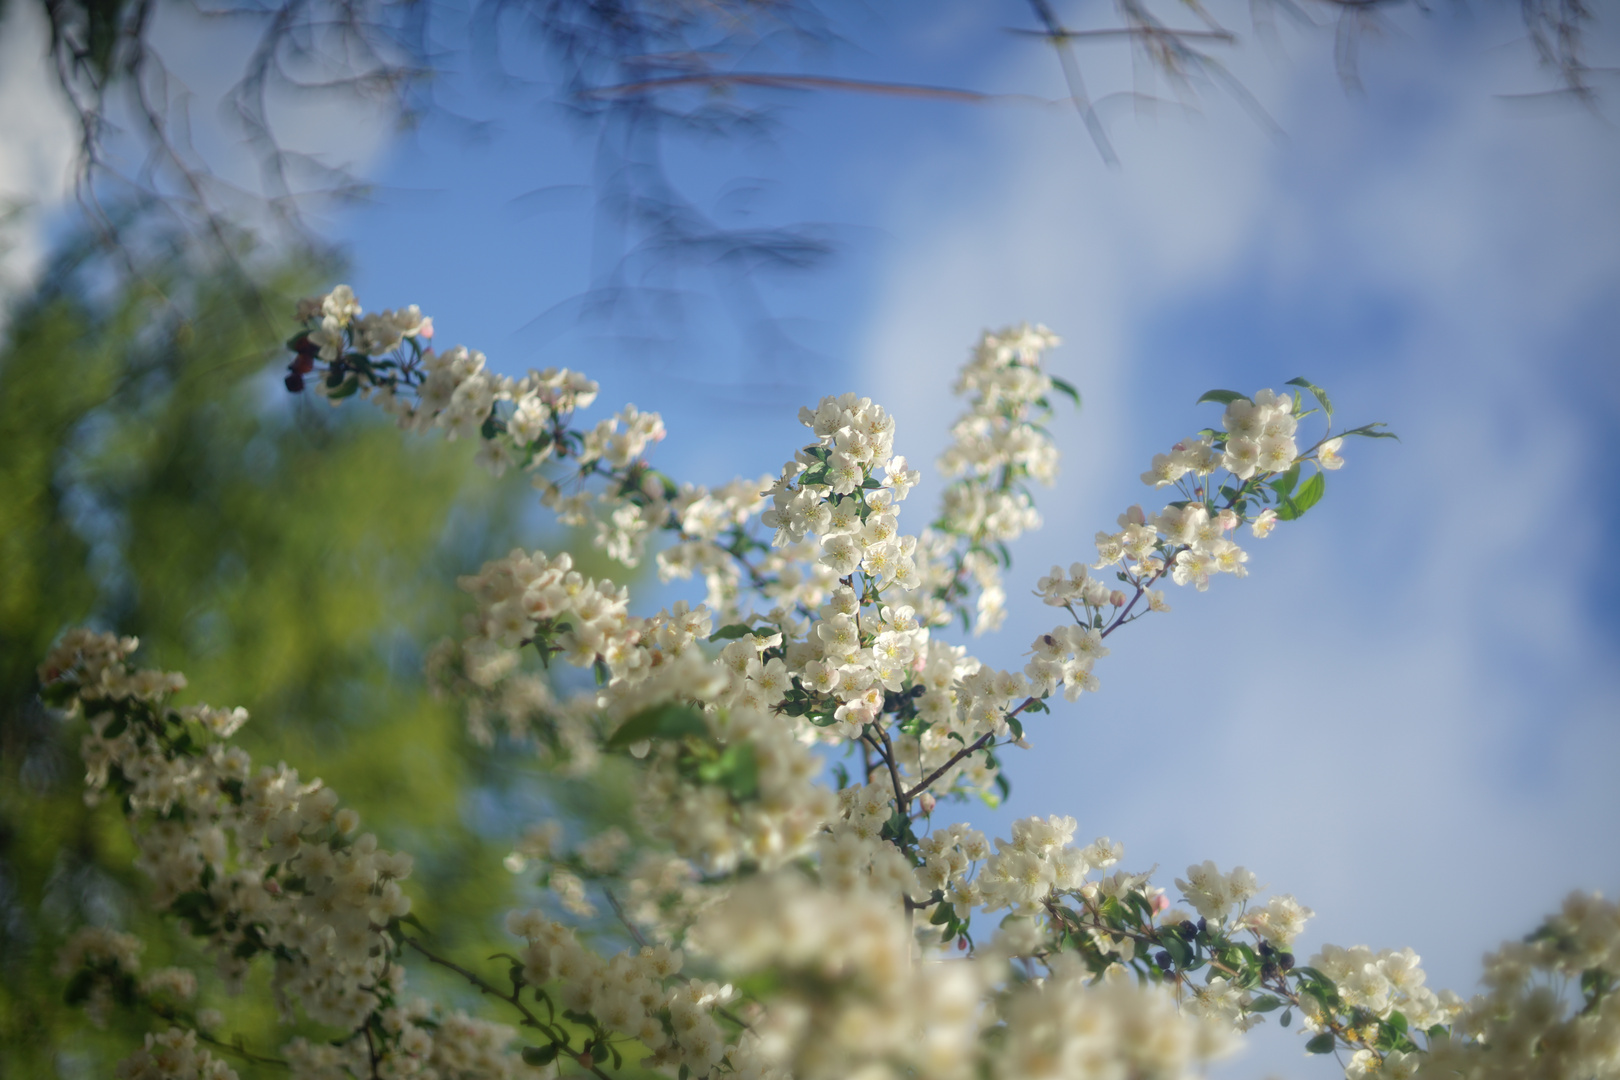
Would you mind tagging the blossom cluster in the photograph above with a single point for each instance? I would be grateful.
(997, 446)
(778, 925)
(1550, 1007)
(173, 1055)
(253, 862)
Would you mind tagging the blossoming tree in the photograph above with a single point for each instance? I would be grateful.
(795, 898)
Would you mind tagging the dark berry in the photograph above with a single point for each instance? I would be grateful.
(295, 382)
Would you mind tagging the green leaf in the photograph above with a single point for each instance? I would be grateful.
(190, 904)
(667, 721)
(1310, 492)
(1308, 495)
(79, 987)
(1264, 1003)
(349, 388)
(1066, 388)
(943, 914)
(1371, 431)
(1286, 1018)
(1015, 727)
(410, 919)
(1224, 397)
(1284, 484)
(539, 1055)
(736, 770)
(1397, 1021)
(1316, 392)
(731, 631)
(1322, 1044)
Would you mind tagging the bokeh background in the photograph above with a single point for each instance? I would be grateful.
(1408, 715)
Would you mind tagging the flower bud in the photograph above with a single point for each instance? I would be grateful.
(1116, 598)
(926, 803)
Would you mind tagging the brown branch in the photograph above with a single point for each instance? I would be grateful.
(1060, 37)
(173, 1016)
(716, 79)
(1128, 31)
(513, 999)
(635, 933)
(975, 747)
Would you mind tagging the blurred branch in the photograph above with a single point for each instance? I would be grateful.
(618, 67)
(802, 82)
(1062, 39)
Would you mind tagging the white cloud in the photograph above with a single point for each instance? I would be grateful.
(202, 57)
(1406, 715)
(36, 135)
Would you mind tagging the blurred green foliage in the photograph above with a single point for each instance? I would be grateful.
(156, 480)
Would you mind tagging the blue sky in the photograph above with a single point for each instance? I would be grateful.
(1408, 714)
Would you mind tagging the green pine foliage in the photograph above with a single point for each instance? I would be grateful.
(156, 479)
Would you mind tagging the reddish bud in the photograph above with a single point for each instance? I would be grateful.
(295, 382)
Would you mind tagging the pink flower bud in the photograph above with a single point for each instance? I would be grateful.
(1116, 598)
(926, 803)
